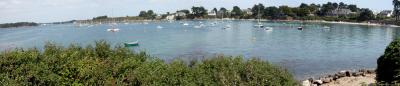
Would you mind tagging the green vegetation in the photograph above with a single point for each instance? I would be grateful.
(103, 65)
(199, 12)
(18, 24)
(100, 17)
(148, 15)
(330, 11)
(388, 70)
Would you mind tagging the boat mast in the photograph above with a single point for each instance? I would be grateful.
(258, 14)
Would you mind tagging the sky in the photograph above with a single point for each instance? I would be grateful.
(44, 11)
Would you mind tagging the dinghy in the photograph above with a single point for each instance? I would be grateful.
(129, 44)
(227, 27)
(160, 27)
(299, 28)
(185, 24)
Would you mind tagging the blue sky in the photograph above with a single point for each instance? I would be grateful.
(63, 10)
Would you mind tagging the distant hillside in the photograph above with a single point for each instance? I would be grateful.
(18, 24)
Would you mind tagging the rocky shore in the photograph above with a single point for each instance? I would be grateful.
(343, 78)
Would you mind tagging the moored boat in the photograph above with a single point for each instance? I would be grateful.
(129, 44)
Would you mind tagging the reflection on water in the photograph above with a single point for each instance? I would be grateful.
(310, 52)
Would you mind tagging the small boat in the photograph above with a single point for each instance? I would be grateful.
(268, 29)
(145, 22)
(326, 27)
(113, 30)
(259, 26)
(129, 44)
(299, 28)
(197, 27)
(185, 24)
(160, 27)
(227, 27)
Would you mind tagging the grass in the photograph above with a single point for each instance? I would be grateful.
(101, 64)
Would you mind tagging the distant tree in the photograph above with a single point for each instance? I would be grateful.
(303, 5)
(237, 12)
(184, 11)
(286, 10)
(353, 8)
(199, 11)
(366, 14)
(302, 12)
(150, 14)
(272, 12)
(215, 10)
(222, 12)
(335, 5)
(257, 10)
(100, 17)
(396, 9)
(327, 8)
(313, 7)
(342, 5)
(142, 14)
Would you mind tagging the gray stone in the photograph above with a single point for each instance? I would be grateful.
(358, 74)
(362, 70)
(348, 73)
(318, 82)
(326, 79)
(306, 83)
(370, 71)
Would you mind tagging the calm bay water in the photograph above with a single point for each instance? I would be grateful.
(313, 51)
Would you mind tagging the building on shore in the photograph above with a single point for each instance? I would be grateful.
(180, 14)
(170, 17)
(385, 13)
(341, 12)
(212, 14)
(247, 11)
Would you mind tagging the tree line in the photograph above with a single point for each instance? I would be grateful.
(329, 11)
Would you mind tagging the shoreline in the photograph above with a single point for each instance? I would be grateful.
(310, 21)
(343, 78)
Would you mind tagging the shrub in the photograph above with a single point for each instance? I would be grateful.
(388, 70)
(103, 65)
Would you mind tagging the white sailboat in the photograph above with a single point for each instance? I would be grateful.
(185, 24)
(160, 27)
(113, 27)
(259, 24)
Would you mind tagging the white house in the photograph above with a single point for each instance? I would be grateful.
(170, 17)
(340, 11)
(248, 11)
(385, 13)
(180, 14)
(212, 13)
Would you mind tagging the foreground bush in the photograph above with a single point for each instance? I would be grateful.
(388, 70)
(103, 65)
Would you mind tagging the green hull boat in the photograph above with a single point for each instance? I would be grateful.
(130, 44)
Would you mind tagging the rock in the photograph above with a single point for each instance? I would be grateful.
(362, 70)
(306, 83)
(348, 73)
(358, 74)
(318, 82)
(340, 74)
(326, 79)
(370, 71)
(335, 77)
(310, 79)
